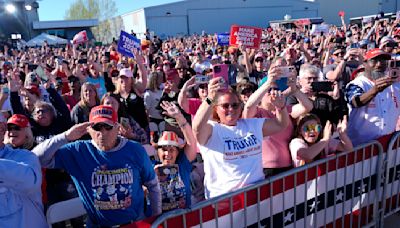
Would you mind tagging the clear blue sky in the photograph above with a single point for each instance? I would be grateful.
(55, 9)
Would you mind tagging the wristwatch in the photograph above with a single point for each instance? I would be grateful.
(209, 101)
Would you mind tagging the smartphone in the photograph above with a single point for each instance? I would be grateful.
(107, 55)
(59, 60)
(42, 75)
(324, 86)
(222, 70)
(355, 45)
(394, 68)
(294, 36)
(124, 122)
(32, 67)
(286, 71)
(202, 79)
(370, 45)
(82, 61)
(282, 83)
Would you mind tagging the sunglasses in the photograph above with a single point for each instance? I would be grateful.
(12, 127)
(312, 127)
(100, 126)
(392, 45)
(272, 89)
(226, 106)
(339, 54)
(259, 60)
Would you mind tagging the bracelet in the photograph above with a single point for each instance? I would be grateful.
(183, 125)
(209, 101)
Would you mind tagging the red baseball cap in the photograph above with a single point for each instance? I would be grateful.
(34, 89)
(373, 53)
(103, 114)
(19, 120)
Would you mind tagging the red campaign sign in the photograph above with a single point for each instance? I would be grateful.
(80, 37)
(248, 36)
(302, 22)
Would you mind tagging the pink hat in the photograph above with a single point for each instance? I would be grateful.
(126, 72)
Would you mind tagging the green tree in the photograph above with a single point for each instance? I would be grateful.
(103, 10)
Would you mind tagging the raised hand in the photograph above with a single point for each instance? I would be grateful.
(327, 130)
(277, 99)
(170, 109)
(77, 131)
(342, 126)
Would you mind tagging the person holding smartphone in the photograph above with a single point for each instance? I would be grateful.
(373, 100)
(230, 146)
(174, 166)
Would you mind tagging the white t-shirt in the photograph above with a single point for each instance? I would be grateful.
(232, 156)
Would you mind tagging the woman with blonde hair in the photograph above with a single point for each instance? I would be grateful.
(89, 98)
(19, 133)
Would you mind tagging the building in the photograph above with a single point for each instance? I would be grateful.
(19, 19)
(195, 16)
(328, 9)
(213, 16)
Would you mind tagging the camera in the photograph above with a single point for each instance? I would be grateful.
(394, 68)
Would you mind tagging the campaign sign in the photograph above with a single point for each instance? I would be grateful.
(223, 39)
(127, 43)
(318, 29)
(80, 38)
(245, 35)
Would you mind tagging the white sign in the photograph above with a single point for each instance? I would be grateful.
(318, 29)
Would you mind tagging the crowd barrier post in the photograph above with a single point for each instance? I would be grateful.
(338, 191)
(391, 185)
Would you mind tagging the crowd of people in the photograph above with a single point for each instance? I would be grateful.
(137, 137)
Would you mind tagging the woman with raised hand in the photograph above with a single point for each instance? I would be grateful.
(175, 157)
(231, 146)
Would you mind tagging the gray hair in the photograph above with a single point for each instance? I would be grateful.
(47, 105)
(309, 69)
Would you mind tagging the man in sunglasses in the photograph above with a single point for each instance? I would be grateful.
(108, 170)
(373, 99)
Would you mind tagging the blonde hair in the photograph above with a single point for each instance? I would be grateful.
(118, 85)
(82, 102)
(28, 142)
(152, 83)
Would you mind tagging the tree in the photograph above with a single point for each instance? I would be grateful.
(103, 10)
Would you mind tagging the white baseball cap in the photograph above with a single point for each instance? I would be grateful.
(126, 72)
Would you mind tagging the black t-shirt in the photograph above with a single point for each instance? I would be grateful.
(134, 106)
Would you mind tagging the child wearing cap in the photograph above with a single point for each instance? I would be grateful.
(174, 165)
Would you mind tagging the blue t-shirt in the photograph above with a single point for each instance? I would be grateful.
(185, 168)
(109, 183)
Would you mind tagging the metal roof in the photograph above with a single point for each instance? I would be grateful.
(65, 24)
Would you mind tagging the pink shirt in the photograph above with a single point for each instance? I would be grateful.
(194, 104)
(275, 148)
(298, 143)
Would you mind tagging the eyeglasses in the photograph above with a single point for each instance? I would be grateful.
(100, 126)
(12, 127)
(165, 148)
(339, 54)
(43, 111)
(272, 88)
(226, 106)
(312, 127)
(376, 60)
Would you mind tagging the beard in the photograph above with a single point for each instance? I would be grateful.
(377, 74)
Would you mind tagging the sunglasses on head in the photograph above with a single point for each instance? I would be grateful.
(13, 127)
(226, 106)
(100, 126)
(312, 127)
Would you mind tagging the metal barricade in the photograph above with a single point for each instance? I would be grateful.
(338, 191)
(391, 186)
